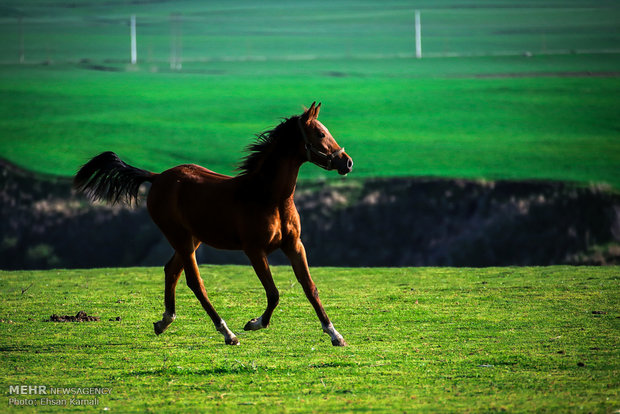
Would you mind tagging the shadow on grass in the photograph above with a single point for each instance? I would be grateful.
(180, 371)
(236, 368)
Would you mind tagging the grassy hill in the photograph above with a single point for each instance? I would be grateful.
(424, 339)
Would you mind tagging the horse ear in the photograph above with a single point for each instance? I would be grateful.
(308, 115)
(312, 109)
(316, 110)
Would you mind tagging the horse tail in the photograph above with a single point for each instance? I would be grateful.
(107, 178)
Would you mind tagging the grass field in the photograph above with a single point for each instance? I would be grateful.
(53, 119)
(426, 339)
(247, 66)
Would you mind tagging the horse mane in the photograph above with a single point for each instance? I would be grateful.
(266, 143)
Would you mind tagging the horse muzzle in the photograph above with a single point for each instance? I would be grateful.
(344, 164)
(337, 160)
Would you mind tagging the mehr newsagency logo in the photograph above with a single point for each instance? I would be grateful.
(41, 395)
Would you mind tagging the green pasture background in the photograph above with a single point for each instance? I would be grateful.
(506, 90)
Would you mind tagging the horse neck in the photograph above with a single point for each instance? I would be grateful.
(278, 177)
(275, 167)
(275, 178)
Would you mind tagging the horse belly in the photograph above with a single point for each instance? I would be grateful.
(241, 227)
(189, 202)
(219, 236)
(216, 224)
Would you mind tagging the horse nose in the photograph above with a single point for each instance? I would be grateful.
(346, 166)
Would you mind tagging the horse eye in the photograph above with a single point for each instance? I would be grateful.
(322, 135)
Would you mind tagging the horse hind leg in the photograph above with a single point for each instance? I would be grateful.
(261, 267)
(173, 270)
(194, 281)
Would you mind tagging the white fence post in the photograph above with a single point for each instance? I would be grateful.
(134, 47)
(418, 35)
(22, 54)
(176, 42)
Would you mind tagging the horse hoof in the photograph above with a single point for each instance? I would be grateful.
(232, 341)
(339, 342)
(254, 325)
(158, 328)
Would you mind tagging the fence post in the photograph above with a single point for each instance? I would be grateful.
(134, 47)
(418, 35)
(22, 54)
(176, 42)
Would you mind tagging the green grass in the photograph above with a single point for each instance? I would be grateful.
(426, 339)
(53, 119)
(245, 66)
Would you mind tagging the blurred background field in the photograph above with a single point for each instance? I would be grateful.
(317, 29)
(504, 90)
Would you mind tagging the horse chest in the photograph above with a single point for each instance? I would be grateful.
(280, 225)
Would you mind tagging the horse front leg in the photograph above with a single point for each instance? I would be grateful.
(173, 270)
(261, 267)
(296, 253)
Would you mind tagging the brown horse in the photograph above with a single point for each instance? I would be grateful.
(253, 211)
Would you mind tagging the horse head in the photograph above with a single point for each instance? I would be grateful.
(320, 146)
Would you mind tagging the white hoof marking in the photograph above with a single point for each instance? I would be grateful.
(229, 337)
(337, 339)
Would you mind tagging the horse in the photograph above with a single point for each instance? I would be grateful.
(253, 211)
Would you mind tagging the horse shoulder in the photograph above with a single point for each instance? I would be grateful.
(289, 216)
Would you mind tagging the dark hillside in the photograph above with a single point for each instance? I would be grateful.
(377, 222)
